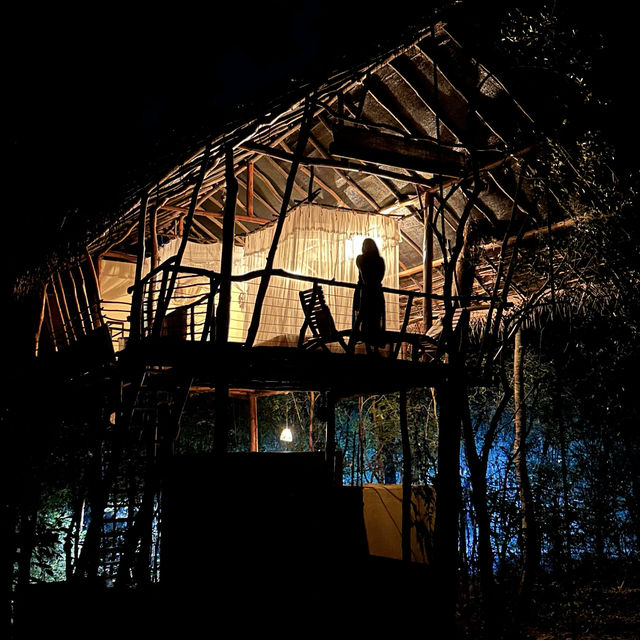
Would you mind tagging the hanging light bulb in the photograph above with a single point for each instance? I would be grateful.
(286, 435)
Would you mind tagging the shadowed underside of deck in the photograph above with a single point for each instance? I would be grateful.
(282, 368)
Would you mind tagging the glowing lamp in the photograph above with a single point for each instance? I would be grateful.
(286, 435)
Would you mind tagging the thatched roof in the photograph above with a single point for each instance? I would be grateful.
(427, 90)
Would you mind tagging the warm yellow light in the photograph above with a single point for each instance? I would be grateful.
(353, 247)
(286, 435)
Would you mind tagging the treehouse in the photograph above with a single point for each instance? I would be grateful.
(235, 272)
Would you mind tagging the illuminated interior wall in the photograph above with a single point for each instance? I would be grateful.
(315, 241)
(116, 277)
(324, 243)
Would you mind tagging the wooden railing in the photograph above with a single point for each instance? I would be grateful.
(182, 303)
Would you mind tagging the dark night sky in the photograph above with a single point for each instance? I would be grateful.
(90, 93)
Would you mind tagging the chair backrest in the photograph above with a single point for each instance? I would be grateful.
(317, 314)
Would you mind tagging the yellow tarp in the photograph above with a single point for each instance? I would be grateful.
(383, 520)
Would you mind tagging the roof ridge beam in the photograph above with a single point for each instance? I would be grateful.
(339, 164)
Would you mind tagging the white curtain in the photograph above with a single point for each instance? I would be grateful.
(116, 277)
(318, 242)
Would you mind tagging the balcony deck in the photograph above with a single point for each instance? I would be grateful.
(282, 368)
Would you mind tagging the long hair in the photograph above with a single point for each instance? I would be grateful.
(369, 247)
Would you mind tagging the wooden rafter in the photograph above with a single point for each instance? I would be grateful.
(284, 174)
(318, 180)
(430, 50)
(524, 207)
(350, 181)
(264, 178)
(384, 149)
(258, 197)
(482, 208)
(387, 99)
(386, 184)
(338, 164)
(406, 127)
(216, 215)
(419, 85)
(208, 234)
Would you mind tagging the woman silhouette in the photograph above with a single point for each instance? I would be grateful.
(368, 300)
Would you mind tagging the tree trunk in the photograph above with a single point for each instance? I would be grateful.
(452, 397)
(528, 528)
(447, 506)
(28, 517)
(406, 479)
(478, 472)
(88, 561)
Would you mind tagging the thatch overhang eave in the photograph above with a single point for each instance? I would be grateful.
(275, 122)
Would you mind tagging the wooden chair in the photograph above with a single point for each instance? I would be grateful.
(430, 344)
(318, 318)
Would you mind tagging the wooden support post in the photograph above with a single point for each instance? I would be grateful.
(221, 439)
(64, 308)
(50, 321)
(530, 550)
(221, 433)
(153, 233)
(85, 303)
(310, 190)
(253, 422)
(135, 319)
(155, 261)
(59, 318)
(226, 259)
(81, 327)
(447, 505)
(266, 277)
(43, 306)
(406, 478)
(427, 263)
(249, 189)
(330, 445)
(312, 399)
(166, 292)
(96, 296)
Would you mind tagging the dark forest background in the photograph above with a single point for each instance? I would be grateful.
(93, 93)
